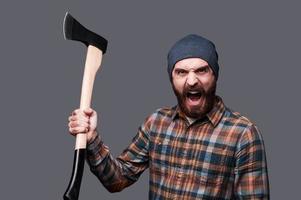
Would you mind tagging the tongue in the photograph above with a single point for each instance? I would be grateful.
(194, 97)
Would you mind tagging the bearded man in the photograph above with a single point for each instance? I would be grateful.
(198, 149)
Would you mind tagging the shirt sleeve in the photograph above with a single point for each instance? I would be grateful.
(251, 175)
(116, 174)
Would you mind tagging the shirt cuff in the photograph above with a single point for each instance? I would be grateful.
(96, 151)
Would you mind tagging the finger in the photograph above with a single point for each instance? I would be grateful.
(80, 129)
(72, 124)
(77, 130)
(78, 115)
(79, 118)
(78, 123)
(72, 118)
(75, 112)
(84, 124)
(83, 119)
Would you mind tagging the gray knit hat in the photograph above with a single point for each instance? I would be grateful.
(193, 46)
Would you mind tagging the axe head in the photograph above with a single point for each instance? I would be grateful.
(73, 30)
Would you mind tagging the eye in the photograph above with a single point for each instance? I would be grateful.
(202, 70)
(180, 72)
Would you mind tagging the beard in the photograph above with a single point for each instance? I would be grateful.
(205, 100)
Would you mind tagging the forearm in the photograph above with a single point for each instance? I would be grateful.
(105, 167)
(114, 174)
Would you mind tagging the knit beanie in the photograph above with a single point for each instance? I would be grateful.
(193, 46)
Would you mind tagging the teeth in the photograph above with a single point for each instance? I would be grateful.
(193, 92)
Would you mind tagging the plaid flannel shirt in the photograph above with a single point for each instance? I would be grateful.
(219, 157)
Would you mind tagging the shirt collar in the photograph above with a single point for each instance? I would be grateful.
(214, 115)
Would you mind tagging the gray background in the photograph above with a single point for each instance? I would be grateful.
(258, 43)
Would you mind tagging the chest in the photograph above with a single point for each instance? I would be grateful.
(199, 148)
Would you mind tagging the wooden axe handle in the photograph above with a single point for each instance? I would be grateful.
(93, 62)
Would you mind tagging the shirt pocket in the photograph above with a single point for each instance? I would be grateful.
(160, 152)
(212, 167)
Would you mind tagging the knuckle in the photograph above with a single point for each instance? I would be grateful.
(75, 112)
(73, 124)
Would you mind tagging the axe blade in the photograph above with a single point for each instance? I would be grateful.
(73, 30)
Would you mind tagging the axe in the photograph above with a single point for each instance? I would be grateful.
(97, 46)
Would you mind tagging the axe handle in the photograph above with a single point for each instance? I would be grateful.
(93, 62)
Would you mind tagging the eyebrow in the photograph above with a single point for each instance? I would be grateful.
(204, 66)
(197, 68)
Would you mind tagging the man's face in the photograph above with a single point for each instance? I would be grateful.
(194, 84)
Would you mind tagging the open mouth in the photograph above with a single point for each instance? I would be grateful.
(193, 95)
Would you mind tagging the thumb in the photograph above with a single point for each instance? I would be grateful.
(88, 111)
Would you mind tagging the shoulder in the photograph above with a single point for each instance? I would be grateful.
(248, 129)
(161, 114)
(166, 112)
(237, 118)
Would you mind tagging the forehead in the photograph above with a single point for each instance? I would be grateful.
(190, 63)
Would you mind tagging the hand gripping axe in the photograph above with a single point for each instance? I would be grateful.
(97, 46)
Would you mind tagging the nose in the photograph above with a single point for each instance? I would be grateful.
(192, 79)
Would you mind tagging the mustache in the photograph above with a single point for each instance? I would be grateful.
(188, 89)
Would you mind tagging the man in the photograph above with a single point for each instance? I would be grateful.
(198, 149)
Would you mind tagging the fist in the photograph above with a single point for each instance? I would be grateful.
(83, 121)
